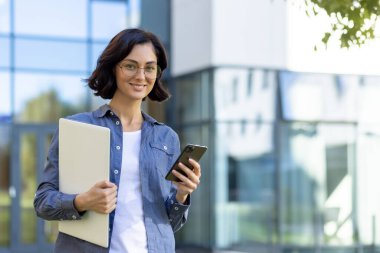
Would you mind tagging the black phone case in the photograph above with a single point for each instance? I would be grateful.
(192, 151)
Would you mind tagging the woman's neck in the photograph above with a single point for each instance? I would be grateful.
(129, 114)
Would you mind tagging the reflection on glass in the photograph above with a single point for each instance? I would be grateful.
(198, 231)
(301, 169)
(44, 17)
(52, 55)
(316, 184)
(5, 97)
(28, 163)
(193, 97)
(318, 97)
(5, 200)
(244, 184)
(108, 18)
(369, 100)
(45, 98)
(5, 51)
(245, 94)
(368, 187)
(188, 108)
(5, 16)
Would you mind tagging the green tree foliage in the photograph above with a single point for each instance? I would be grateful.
(353, 21)
(48, 107)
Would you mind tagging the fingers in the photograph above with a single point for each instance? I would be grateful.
(105, 184)
(196, 167)
(102, 197)
(185, 184)
(191, 174)
(109, 205)
(189, 182)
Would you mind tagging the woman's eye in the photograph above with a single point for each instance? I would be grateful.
(130, 66)
(150, 68)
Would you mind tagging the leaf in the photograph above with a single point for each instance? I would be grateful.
(348, 17)
(326, 38)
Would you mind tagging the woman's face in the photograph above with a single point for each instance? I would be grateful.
(134, 73)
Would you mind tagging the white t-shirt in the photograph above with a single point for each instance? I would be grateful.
(129, 234)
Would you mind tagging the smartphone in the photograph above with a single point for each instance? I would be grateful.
(192, 151)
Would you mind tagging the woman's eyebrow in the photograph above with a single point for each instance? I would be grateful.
(149, 62)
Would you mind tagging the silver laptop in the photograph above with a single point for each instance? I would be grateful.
(84, 159)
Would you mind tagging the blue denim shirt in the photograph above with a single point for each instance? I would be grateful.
(163, 215)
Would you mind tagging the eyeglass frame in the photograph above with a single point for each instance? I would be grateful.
(144, 69)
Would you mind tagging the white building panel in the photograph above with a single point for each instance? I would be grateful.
(273, 34)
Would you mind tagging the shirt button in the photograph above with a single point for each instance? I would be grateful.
(118, 147)
(165, 147)
(116, 172)
(74, 217)
(176, 208)
(117, 122)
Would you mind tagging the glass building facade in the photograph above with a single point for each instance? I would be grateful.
(46, 49)
(292, 159)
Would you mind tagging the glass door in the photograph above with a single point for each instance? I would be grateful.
(5, 189)
(29, 148)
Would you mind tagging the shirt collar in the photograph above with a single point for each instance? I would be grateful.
(105, 109)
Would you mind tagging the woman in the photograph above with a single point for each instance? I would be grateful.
(145, 209)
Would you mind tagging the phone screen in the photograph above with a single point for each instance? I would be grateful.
(192, 151)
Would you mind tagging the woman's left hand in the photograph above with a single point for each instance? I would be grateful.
(188, 183)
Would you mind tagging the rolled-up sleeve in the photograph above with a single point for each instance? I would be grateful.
(177, 212)
(49, 202)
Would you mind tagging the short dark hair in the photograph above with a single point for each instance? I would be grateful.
(103, 80)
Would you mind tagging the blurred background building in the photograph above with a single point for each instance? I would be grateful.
(293, 134)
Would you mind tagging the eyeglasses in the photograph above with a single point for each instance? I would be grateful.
(151, 71)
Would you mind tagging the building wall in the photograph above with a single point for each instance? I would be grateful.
(191, 35)
(269, 34)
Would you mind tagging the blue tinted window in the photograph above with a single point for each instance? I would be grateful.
(5, 97)
(44, 54)
(134, 13)
(108, 18)
(52, 18)
(4, 52)
(4, 16)
(97, 49)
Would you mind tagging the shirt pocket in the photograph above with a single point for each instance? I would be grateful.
(163, 155)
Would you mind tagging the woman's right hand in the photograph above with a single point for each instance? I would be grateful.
(100, 198)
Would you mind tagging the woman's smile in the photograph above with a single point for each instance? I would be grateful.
(138, 87)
